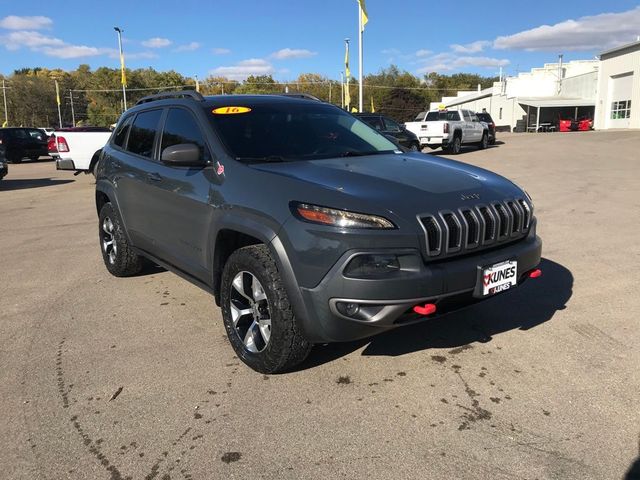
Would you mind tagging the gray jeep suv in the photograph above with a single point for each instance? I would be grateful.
(306, 225)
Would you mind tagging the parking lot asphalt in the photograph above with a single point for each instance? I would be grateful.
(134, 378)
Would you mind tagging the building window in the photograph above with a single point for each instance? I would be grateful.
(500, 114)
(621, 109)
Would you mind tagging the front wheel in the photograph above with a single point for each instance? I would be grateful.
(257, 315)
(415, 147)
(118, 256)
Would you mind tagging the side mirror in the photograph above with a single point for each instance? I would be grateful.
(182, 154)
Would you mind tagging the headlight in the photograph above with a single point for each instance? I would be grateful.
(339, 218)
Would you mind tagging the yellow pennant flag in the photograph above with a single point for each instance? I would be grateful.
(57, 93)
(365, 17)
(347, 94)
(124, 75)
(4, 124)
(347, 70)
(373, 110)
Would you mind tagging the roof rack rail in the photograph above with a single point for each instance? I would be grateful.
(300, 95)
(175, 94)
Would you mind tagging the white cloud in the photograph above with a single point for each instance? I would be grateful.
(220, 51)
(13, 22)
(390, 51)
(473, 47)
(188, 47)
(74, 51)
(289, 53)
(30, 39)
(423, 53)
(596, 32)
(157, 42)
(447, 62)
(241, 70)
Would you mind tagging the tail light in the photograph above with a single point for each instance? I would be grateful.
(51, 144)
(445, 128)
(62, 144)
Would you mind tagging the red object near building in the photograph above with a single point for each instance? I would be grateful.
(564, 125)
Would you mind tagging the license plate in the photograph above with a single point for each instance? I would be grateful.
(424, 139)
(499, 277)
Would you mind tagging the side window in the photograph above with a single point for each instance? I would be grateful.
(375, 122)
(466, 116)
(181, 127)
(37, 134)
(391, 125)
(121, 132)
(474, 118)
(143, 132)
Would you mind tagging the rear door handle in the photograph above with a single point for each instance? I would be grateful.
(156, 177)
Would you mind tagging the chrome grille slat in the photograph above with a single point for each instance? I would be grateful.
(484, 225)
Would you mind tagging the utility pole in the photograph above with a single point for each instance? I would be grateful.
(73, 112)
(4, 94)
(123, 74)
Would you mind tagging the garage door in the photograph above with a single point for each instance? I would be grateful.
(619, 113)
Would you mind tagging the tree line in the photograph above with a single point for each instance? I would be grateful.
(94, 97)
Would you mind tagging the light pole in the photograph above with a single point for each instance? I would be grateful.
(4, 95)
(123, 74)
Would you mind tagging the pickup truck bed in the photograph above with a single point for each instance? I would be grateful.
(77, 151)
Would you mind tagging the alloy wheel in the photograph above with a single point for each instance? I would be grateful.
(109, 246)
(250, 312)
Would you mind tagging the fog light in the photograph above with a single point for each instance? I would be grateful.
(374, 265)
(348, 309)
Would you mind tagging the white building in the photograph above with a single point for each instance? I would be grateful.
(536, 99)
(619, 88)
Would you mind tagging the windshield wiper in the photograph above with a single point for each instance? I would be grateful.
(362, 154)
(268, 159)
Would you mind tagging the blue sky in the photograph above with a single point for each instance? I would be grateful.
(286, 38)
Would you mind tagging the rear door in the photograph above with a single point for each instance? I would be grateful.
(131, 167)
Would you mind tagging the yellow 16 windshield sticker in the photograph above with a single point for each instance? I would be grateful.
(230, 110)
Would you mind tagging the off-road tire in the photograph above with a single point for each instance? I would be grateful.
(287, 346)
(125, 262)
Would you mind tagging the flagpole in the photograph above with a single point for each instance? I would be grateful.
(360, 29)
(58, 102)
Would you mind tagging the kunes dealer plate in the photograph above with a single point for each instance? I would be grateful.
(499, 277)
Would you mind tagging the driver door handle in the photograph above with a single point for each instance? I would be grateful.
(156, 177)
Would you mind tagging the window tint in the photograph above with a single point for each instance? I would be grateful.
(375, 122)
(20, 133)
(291, 131)
(143, 132)
(37, 134)
(121, 132)
(181, 127)
(391, 125)
(443, 115)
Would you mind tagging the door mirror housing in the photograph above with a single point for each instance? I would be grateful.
(182, 154)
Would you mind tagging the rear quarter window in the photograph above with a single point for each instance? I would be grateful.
(120, 135)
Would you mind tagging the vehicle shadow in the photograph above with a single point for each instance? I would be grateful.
(530, 305)
(634, 471)
(20, 184)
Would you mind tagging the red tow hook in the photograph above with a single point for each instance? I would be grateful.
(535, 273)
(427, 309)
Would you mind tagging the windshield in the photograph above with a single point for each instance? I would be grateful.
(284, 131)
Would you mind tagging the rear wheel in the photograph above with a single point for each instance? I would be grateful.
(258, 317)
(118, 256)
(484, 142)
(415, 147)
(456, 145)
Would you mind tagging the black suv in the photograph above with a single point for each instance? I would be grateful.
(307, 225)
(391, 128)
(491, 126)
(24, 143)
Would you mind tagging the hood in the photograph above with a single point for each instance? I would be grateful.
(401, 183)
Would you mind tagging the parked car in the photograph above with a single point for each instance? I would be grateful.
(4, 168)
(449, 129)
(23, 143)
(491, 126)
(390, 127)
(77, 151)
(307, 225)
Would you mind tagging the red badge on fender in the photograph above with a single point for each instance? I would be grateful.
(220, 170)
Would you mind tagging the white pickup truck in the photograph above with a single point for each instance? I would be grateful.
(449, 129)
(77, 151)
